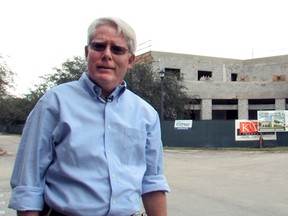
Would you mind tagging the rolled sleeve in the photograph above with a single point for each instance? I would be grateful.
(154, 179)
(27, 198)
(155, 183)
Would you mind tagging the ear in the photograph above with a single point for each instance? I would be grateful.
(86, 52)
(131, 60)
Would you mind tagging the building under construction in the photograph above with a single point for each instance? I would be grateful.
(227, 89)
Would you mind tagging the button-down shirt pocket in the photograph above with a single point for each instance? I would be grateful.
(133, 147)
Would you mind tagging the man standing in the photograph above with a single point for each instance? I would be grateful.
(92, 147)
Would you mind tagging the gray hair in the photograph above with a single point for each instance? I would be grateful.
(121, 26)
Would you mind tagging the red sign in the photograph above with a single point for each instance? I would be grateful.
(248, 127)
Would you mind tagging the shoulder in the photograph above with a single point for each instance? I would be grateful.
(63, 90)
(138, 102)
(61, 94)
(66, 87)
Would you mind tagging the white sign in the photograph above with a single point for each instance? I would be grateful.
(247, 130)
(183, 124)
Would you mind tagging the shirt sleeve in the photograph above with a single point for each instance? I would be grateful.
(33, 158)
(154, 179)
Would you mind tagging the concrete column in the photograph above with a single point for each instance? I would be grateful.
(224, 73)
(280, 104)
(206, 109)
(243, 109)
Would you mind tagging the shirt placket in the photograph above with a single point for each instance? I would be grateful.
(110, 155)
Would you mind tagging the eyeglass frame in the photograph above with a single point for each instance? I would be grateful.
(122, 50)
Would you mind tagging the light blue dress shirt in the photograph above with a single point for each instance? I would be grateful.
(87, 156)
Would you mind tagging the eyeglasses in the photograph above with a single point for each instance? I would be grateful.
(100, 47)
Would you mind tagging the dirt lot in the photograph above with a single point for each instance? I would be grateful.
(203, 182)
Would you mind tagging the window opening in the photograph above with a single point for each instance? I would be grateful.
(204, 75)
(173, 72)
(233, 77)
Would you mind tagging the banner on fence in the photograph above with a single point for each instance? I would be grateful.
(272, 120)
(247, 130)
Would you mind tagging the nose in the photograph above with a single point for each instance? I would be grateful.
(106, 53)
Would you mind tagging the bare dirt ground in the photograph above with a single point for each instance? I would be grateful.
(203, 182)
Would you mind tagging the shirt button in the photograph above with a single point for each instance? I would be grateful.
(113, 202)
(109, 127)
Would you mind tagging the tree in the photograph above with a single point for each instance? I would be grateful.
(6, 99)
(144, 81)
(6, 78)
(13, 110)
(71, 70)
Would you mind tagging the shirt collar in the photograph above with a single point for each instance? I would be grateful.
(96, 90)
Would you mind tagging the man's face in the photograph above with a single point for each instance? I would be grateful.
(105, 68)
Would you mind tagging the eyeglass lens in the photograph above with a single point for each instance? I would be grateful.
(100, 47)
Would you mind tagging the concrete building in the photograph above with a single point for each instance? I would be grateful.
(222, 88)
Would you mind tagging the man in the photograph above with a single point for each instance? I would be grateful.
(92, 147)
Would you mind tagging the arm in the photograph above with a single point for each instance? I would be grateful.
(155, 203)
(34, 156)
(154, 182)
(27, 213)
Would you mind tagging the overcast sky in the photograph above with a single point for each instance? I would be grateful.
(37, 35)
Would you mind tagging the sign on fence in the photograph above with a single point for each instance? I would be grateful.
(183, 124)
(272, 120)
(247, 130)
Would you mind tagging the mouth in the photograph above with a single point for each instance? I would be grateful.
(102, 67)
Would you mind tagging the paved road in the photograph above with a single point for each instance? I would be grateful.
(203, 182)
(229, 183)
(9, 145)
